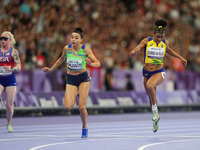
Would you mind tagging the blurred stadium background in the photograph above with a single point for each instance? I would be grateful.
(112, 28)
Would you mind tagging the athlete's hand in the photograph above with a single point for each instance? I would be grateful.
(45, 69)
(132, 53)
(184, 61)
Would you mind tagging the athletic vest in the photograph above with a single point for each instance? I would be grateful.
(6, 59)
(76, 63)
(153, 53)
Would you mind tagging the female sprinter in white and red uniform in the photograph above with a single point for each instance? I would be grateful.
(155, 47)
(9, 63)
(77, 55)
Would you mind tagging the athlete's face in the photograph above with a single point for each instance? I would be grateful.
(158, 37)
(76, 39)
(5, 39)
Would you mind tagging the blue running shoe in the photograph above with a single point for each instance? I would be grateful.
(84, 133)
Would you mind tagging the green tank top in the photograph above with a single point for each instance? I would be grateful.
(75, 63)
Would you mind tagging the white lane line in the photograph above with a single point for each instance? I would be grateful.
(161, 143)
(15, 139)
(87, 140)
(71, 142)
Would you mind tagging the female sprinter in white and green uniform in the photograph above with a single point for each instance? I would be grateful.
(155, 48)
(77, 55)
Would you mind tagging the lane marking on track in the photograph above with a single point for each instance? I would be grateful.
(15, 139)
(71, 142)
(161, 143)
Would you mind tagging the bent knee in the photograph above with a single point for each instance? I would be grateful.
(149, 86)
(82, 107)
(68, 106)
(9, 104)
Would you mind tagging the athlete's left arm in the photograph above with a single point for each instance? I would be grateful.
(92, 61)
(17, 61)
(172, 52)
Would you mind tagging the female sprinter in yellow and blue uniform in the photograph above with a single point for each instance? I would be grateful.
(77, 56)
(155, 48)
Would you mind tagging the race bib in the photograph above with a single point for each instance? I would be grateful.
(74, 64)
(3, 71)
(155, 52)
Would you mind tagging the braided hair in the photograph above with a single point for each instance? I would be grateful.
(160, 26)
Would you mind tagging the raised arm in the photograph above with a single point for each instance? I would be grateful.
(139, 47)
(59, 61)
(17, 61)
(172, 52)
(92, 61)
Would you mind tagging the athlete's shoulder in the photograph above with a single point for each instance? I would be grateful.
(149, 38)
(145, 40)
(165, 42)
(83, 46)
(87, 48)
(67, 46)
(13, 50)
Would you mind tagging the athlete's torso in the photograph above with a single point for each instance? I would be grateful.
(6, 59)
(154, 54)
(75, 64)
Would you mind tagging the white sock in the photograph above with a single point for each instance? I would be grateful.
(154, 108)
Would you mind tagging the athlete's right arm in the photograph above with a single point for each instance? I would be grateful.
(59, 61)
(139, 47)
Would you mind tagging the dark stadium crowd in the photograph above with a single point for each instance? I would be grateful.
(111, 28)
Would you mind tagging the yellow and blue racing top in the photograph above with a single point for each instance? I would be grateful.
(154, 53)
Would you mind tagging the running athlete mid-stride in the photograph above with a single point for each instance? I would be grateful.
(9, 64)
(155, 47)
(77, 55)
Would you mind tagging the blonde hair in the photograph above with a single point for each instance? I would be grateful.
(11, 36)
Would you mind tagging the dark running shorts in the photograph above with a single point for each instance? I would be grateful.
(8, 80)
(78, 79)
(148, 74)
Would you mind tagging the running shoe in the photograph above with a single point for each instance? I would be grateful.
(155, 120)
(84, 133)
(10, 128)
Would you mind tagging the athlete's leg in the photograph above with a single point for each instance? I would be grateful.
(147, 91)
(83, 95)
(151, 84)
(70, 96)
(10, 97)
(1, 90)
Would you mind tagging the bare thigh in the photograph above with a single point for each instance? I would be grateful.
(83, 93)
(1, 89)
(155, 80)
(70, 95)
(10, 94)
